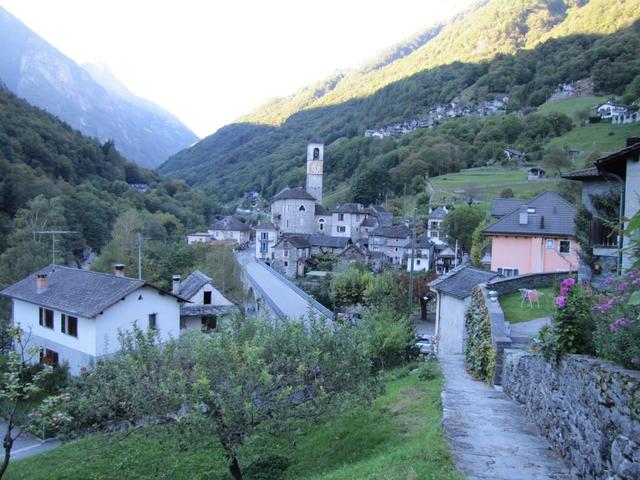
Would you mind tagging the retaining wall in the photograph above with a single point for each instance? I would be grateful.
(588, 408)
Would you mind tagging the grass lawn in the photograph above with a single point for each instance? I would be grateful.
(398, 437)
(569, 106)
(514, 313)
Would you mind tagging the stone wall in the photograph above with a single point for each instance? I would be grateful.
(531, 281)
(589, 409)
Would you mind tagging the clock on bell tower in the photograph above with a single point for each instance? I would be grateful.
(315, 162)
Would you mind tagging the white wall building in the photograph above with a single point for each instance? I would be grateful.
(75, 315)
(206, 304)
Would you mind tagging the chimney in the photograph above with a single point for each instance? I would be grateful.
(175, 284)
(118, 269)
(524, 216)
(42, 282)
(632, 141)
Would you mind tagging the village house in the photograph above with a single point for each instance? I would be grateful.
(618, 172)
(535, 173)
(391, 241)
(266, 238)
(290, 254)
(74, 315)
(453, 297)
(206, 305)
(538, 236)
(227, 230)
(609, 109)
(423, 254)
(434, 221)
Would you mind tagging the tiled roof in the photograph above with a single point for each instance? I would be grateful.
(296, 240)
(369, 222)
(297, 193)
(553, 216)
(77, 292)
(501, 206)
(394, 231)
(328, 241)
(584, 173)
(230, 223)
(266, 226)
(351, 208)
(199, 310)
(320, 210)
(460, 281)
(421, 242)
(194, 282)
(624, 154)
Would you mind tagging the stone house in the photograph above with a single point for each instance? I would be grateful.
(390, 241)
(618, 172)
(423, 254)
(324, 244)
(453, 297)
(74, 316)
(536, 237)
(434, 221)
(206, 305)
(290, 254)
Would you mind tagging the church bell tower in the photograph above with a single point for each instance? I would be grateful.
(315, 160)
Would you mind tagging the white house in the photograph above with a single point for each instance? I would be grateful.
(434, 221)
(609, 109)
(423, 254)
(266, 238)
(391, 241)
(75, 315)
(230, 229)
(198, 237)
(453, 296)
(206, 303)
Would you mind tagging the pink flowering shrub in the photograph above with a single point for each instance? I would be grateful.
(572, 324)
(617, 333)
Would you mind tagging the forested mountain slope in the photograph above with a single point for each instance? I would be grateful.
(52, 176)
(39, 73)
(523, 49)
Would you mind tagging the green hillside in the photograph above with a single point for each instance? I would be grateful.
(570, 40)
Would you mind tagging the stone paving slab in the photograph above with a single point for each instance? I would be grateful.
(489, 435)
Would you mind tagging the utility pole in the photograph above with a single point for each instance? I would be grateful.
(53, 234)
(413, 250)
(139, 245)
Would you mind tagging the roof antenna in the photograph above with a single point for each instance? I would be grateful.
(53, 234)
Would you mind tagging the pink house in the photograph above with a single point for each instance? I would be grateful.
(535, 236)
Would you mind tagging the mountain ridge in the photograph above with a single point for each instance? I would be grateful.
(41, 74)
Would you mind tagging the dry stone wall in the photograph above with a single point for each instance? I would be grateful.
(589, 409)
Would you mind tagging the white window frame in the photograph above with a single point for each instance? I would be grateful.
(550, 242)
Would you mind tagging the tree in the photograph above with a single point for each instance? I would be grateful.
(506, 193)
(478, 243)
(348, 288)
(460, 223)
(20, 384)
(387, 290)
(556, 158)
(250, 378)
(391, 335)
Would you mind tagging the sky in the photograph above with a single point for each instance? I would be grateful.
(209, 62)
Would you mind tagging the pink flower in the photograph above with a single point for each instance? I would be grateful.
(618, 324)
(635, 360)
(603, 307)
(561, 301)
(636, 281)
(608, 281)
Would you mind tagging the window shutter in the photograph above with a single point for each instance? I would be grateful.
(41, 319)
(63, 323)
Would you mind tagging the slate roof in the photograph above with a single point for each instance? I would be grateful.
(447, 252)
(369, 222)
(421, 242)
(266, 226)
(199, 310)
(501, 206)
(320, 210)
(296, 240)
(230, 223)
(194, 282)
(351, 208)
(297, 193)
(393, 231)
(624, 154)
(583, 173)
(437, 214)
(460, 281)
(77, 292)
(328, 241)
(553, 216)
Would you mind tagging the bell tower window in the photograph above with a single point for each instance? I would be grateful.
(302, 209)
(316, 153)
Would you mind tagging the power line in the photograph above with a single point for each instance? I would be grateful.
(53, 234)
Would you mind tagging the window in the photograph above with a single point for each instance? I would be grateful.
(264, 236)
(302, 209)
(153, 321)
(341, 217)
(286, 264)
(208, 323)
(565, 246)
(341, 229)
(286, 253)
(207, 298)
(69, 325)
(418, 262)
(508, 272)
(531, 210)
(316, 153)
(183, 323)
(49, 357)
(46, 318)
(549, 243)
(264, 247)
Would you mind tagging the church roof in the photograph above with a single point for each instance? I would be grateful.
(297, 193)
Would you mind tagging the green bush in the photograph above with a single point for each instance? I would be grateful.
(429, 370)
(391, 336)
(271, 467)
(480, 356)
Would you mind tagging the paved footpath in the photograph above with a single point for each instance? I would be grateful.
(489, 435)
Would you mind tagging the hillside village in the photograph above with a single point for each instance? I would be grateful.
(306, 294)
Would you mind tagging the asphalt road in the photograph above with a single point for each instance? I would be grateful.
(27, 445)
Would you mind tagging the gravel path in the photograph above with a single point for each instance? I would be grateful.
(489, 435)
